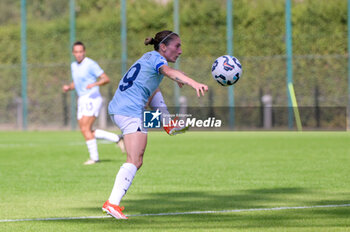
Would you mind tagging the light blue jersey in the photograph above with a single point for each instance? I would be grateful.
(84, 73)
(137, 85)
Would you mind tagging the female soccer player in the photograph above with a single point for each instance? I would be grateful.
(128, 103)
(87, 77)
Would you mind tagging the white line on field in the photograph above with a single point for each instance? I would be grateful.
(179, 213)
(52, 219)
(81, 143)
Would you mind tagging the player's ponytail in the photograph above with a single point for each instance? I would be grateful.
(161, 37)
(149, 40)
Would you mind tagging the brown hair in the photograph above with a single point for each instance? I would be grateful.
(78, 43)
(161, 37)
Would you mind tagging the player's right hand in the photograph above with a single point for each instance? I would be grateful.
(65, 88)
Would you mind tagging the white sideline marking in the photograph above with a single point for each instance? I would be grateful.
(52, 219)
(179, 213)
(81, 143)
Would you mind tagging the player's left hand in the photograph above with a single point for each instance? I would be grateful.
(200, 89)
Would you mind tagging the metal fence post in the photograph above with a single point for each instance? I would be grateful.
(229, 40)
(177, 64)
(289, 54)
(123, 35)
(24, 62)
(72, 40)
(348, 65)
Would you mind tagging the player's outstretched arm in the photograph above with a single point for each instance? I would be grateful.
(66, 88)
(182, 78)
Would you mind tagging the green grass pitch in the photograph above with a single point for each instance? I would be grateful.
(42, 176)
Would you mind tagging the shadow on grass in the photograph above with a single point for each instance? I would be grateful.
(203, 201)
(164, 202)
(170, 202)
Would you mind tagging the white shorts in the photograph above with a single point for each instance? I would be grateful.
(128, 125)
(89, 106)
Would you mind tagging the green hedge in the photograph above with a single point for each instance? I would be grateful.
(319, 48)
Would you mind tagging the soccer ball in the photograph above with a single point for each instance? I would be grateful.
(226, 70)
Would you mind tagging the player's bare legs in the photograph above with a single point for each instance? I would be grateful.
(135, 144)
(118, 139)
(156, 101)
(85, 124)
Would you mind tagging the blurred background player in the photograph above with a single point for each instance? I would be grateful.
(87, 77)
(127, 106)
